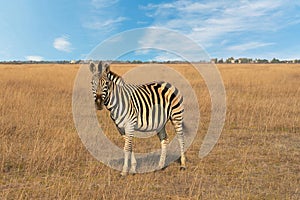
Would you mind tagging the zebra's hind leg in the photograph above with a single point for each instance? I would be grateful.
(178, 124)
(163, 137)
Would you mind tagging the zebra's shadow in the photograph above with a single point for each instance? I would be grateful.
(145, 163)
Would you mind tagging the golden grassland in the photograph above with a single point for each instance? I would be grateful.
(256, 157)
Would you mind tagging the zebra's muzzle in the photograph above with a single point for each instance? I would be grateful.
(99, 104)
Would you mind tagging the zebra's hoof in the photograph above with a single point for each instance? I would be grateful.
(182, 168)
(157, 170)
(123, 173)
(133, 172)
(160, 168)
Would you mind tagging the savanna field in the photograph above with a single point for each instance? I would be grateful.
(256, 157)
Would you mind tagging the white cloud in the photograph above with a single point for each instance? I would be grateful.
(34, 58)
(141, 52)
(106, 25)
(157, 55)
(62, 44)
(104, 17)
(248, 46)
(172, 42)
(167, 57)
(210, 21)
(98, 4)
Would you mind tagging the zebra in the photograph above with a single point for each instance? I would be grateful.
(143, 108)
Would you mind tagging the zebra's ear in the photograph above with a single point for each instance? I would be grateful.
(100, 67)
(107, 68)
(92, 67)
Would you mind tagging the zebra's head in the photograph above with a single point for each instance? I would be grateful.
(100, 83)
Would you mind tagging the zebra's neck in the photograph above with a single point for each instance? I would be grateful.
(119, 96)
(115, 78)
(116, 84)
(118, 100)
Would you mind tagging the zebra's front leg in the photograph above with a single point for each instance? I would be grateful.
(133, 164)
(128, 153)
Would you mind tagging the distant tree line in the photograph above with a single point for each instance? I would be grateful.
(250, 60)
(214, 60)
(40, 62)
(85, 61)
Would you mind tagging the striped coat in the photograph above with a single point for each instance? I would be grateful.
(141, 108)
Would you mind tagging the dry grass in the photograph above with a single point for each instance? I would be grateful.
(257, 156)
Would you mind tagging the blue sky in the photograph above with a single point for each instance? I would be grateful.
(66, 30)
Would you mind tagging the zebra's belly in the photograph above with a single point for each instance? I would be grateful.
(144, 126)
(142, 131)
(151, 123)
(146, 129)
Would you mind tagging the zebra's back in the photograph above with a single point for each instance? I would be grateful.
(155, 104)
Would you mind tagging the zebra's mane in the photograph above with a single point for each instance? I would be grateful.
(112, 76)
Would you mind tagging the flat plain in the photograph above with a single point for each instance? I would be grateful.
(256, 157)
